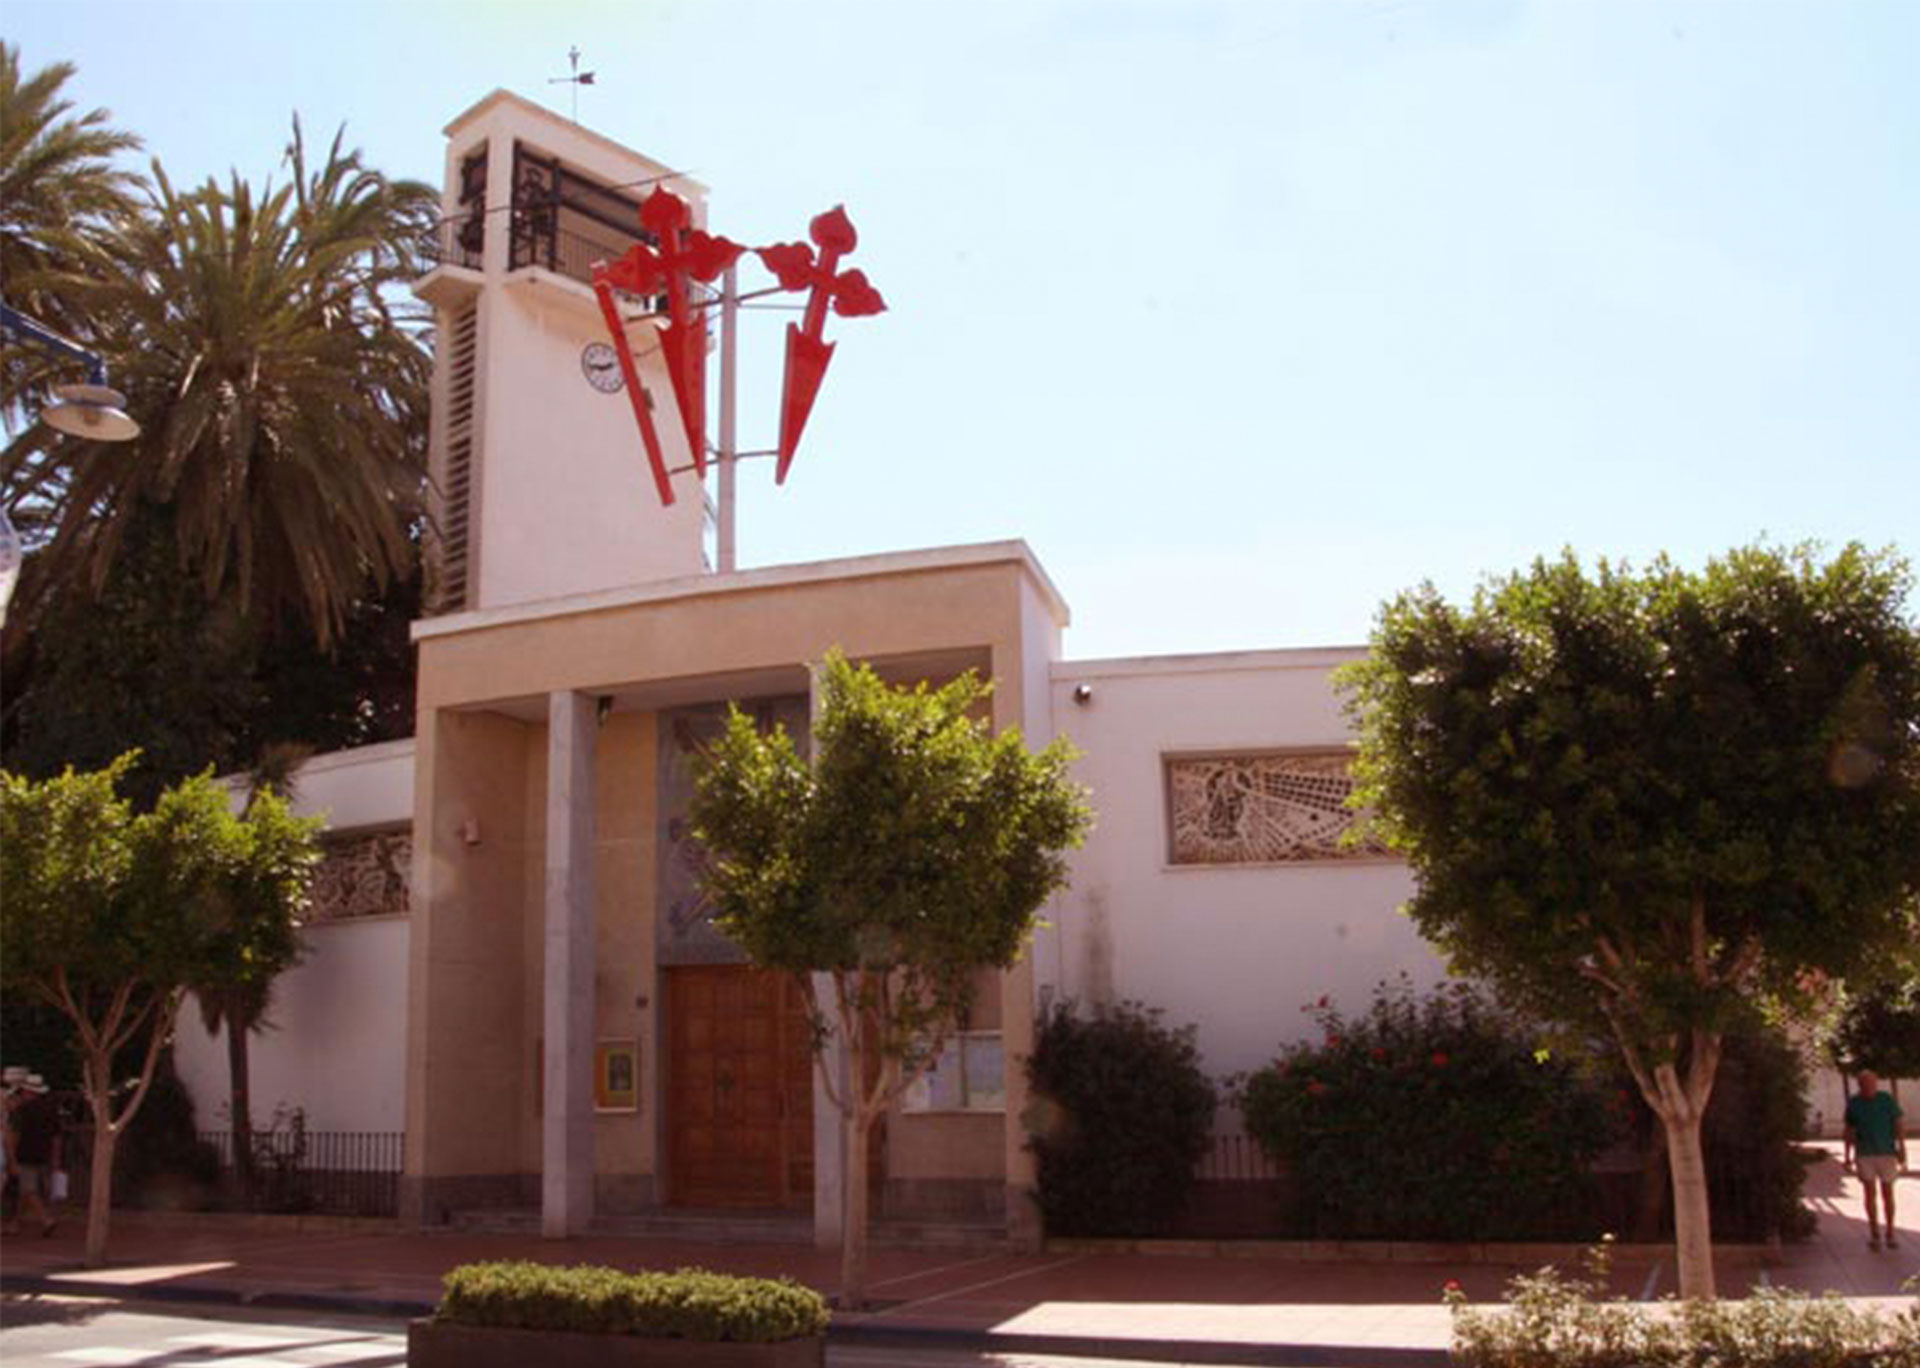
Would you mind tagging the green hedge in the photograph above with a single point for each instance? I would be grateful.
(689, 1303)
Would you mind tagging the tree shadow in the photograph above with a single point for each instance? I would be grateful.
(21, 1309)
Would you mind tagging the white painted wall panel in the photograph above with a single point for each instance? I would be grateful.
(338, 1049)
(1237, 950)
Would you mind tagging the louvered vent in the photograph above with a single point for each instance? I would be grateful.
(458, 480)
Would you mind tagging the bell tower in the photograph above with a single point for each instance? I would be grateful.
(541, 485)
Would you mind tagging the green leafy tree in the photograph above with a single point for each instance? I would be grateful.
(1879, 1028)
(1653, 796)
(110, 916)
(280, 388)
(238, 998)
(913, 852)
(149, 664)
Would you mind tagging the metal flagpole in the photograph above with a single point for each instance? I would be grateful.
(729, 344)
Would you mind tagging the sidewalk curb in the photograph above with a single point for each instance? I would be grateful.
(1240, 1354)
(33, 1284)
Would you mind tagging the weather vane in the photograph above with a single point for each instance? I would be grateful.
(578, 79)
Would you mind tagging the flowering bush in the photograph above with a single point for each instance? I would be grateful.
(1551, 1321)
(1434, 1119)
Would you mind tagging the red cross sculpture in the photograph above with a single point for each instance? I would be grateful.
(684, 253)
(808, 353)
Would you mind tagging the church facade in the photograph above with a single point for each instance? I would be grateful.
(510, 958)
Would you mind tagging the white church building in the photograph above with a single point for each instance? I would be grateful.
(508, 958)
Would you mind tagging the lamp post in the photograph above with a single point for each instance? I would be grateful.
(92, 411)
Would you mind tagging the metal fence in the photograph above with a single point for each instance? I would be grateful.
(335, 1173)
(1240, 1191)
(1236, 1159)
(455, 241)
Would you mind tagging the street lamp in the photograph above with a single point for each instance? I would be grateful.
(93, 412)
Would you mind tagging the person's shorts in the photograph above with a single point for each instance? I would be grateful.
(1876, 1168)
(33, 1180)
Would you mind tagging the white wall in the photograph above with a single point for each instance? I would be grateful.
(339, 1018)
(338, 1047)
(1237, 950)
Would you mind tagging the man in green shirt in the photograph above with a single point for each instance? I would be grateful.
(1877, 1147)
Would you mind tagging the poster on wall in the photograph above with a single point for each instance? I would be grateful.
(616, 1076)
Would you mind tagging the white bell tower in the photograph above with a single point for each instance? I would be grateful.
(542, 487)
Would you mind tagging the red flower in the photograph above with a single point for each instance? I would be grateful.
(1439, 1059)
(1378, 1054)
(1316, 1087)
(1453, 1285)
(1333, 1042)
(1322, 1002)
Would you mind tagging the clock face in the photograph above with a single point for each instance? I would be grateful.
(601, 366)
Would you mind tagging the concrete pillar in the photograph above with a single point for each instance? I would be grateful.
(566, 1139)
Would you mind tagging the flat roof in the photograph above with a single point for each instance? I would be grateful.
(747, 581)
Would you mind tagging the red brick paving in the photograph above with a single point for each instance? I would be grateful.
(1260, 1297)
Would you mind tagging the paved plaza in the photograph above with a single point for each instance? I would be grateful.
(1247, 1303)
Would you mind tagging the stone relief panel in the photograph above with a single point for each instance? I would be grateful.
(362, 876)
(685, 930)
(1260, 809)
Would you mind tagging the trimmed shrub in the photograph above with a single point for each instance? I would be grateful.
(1551, 1321)
(690, 1303)
(1434, 1120)
(1756, 1169)
(1126, 1114)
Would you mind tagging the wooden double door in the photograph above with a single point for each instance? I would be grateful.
(739, 1089)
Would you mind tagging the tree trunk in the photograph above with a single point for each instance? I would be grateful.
(240, 1104)
(1692, 1217)
(853, 1234)
(100, 1181)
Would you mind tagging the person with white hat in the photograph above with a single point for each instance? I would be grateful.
(34, 1146)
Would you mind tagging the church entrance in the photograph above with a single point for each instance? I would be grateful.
(739, 1110)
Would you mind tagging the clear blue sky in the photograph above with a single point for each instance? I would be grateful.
(1245, 315)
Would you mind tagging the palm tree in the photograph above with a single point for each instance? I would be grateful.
(59, 190)
(280, 385)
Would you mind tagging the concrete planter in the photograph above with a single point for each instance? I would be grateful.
(434, 1344)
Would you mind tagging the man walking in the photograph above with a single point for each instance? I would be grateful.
(36, 1149)
(1876, 1145)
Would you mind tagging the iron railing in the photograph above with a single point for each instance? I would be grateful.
(460, 242)
(334, 1173)
(1743, 1209)
(456, 241)
(1236, 1159)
